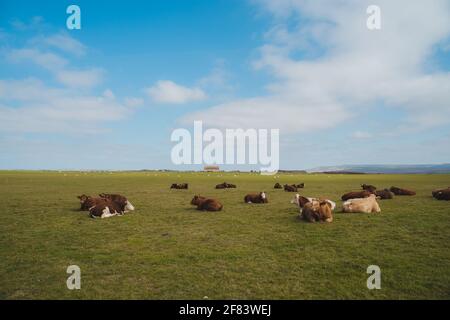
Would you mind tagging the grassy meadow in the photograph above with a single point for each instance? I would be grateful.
(168, 250)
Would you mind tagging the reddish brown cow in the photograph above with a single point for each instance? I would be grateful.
(206, 204)
(355, 194)
(402, 192)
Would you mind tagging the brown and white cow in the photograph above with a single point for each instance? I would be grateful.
(106, 209)
(256, 198)
(363, 205)
(301, 201)
(317, 211)
(121, 200)
(206, 204)
(441, 194)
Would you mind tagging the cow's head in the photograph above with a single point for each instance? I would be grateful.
(83, 198)
(129, 206)
(196, 200)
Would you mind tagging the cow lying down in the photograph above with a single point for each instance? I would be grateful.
(256, 198)
(205, 204)
(314, 209)
(363, 205)
(106, 205)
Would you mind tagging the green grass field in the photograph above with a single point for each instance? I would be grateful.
(168, 250)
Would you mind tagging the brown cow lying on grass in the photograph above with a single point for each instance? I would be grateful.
(122, 201)
(256, 198)
(277, 186)
(355, 195)
(179, 186)
(442, 194)
(107, 205)
(384, 194)
(402, 192)
(106, 209)
(206, 204)
(363, 205)
(225, 185)
(290, 188)
(369, 187)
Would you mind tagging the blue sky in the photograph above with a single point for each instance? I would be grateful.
(109, 95)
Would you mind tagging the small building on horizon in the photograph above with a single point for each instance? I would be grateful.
(211, 168)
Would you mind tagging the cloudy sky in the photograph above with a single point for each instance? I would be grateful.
(109, 95)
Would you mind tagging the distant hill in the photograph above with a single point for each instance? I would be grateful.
(385, 168)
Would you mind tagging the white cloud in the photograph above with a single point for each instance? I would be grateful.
(166, 91)
(329, 67)
(47, 60)
(57, 65)
(38, 108)
(80, 78)
(61, 41)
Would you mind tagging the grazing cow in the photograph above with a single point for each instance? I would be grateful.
(290, 188)
(355, 194)
(384, 194)
(364, 205)
(300, 185)
(369, 187)
(317, 211)
(122, 201)
(442, 194)
(87, 202)
(256, 198)
(179, 186)
(402, 192)
(106, 209)
(277, 186)
(206, 204)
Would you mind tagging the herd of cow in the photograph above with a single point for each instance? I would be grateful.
(311, 209)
